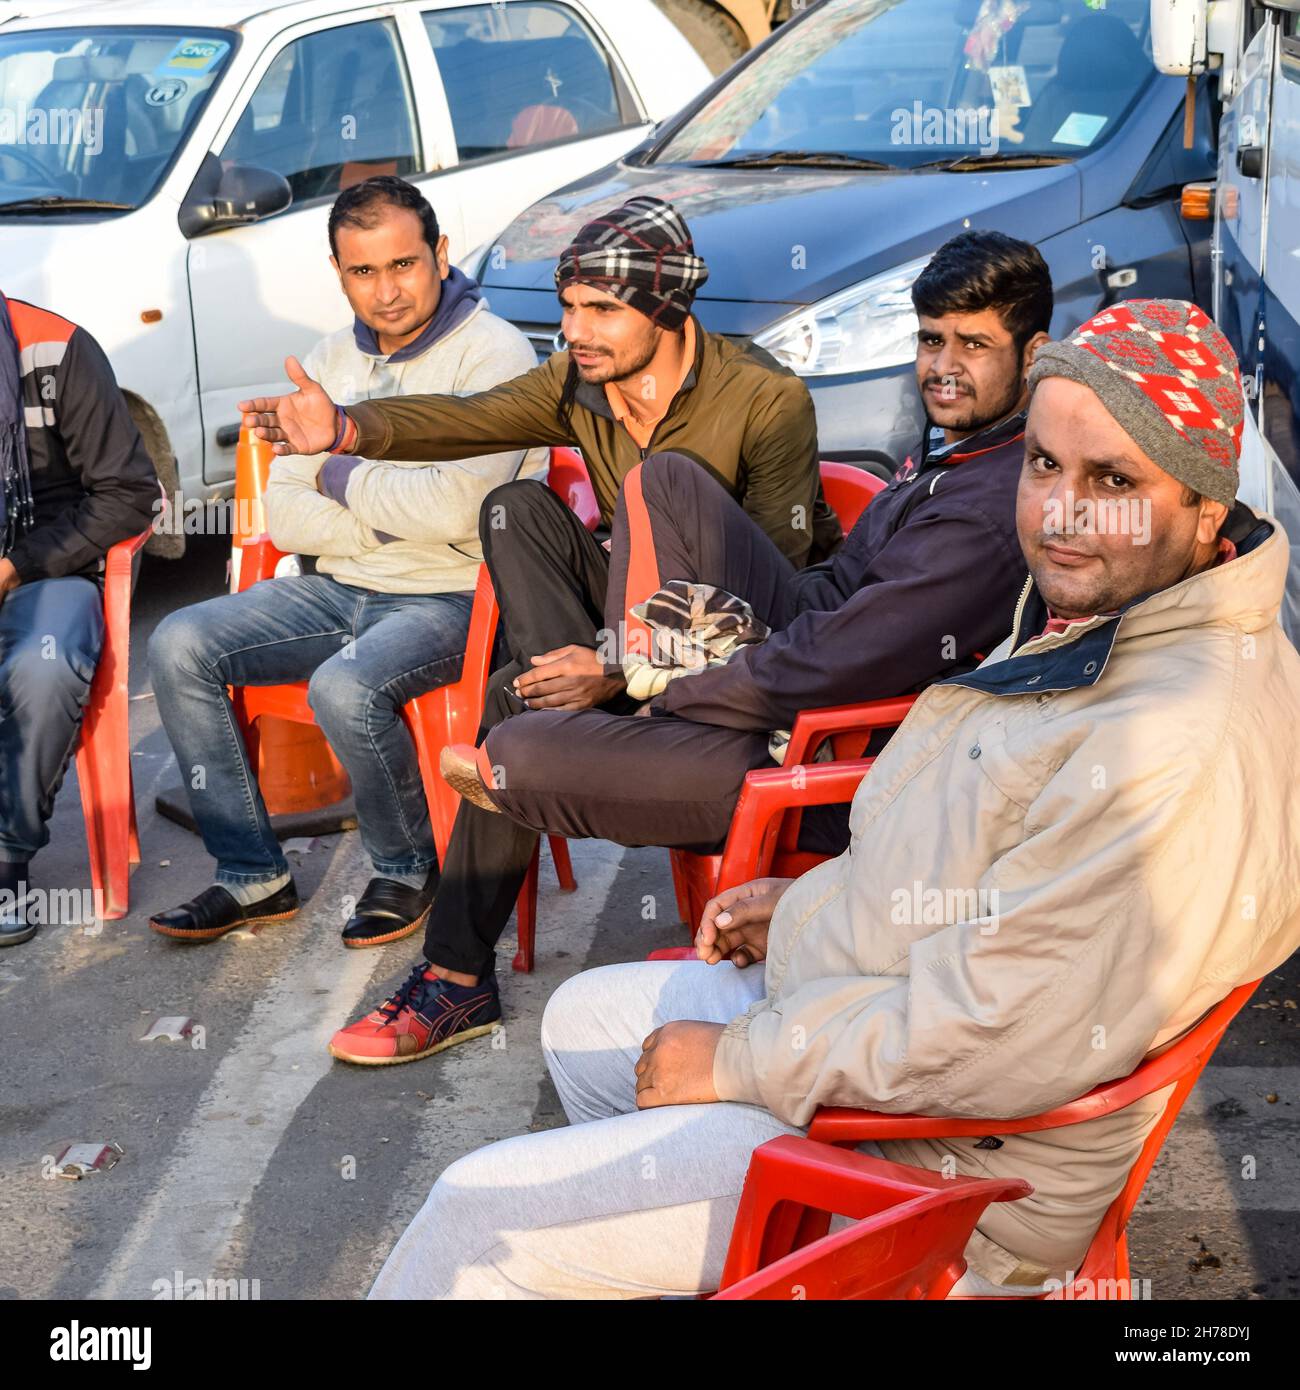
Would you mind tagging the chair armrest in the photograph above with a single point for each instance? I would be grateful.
(1183, 1060)
(814, 726)
(121, 555)
(111, 668)
(571, 482)
(788, 1175)
(853, 1184)
(766, 795)
(258, 560)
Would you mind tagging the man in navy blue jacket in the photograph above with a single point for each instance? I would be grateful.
(927, 578)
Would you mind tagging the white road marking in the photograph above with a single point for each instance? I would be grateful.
(239, 1121)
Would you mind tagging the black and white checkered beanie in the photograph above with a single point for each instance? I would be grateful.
(641, 253)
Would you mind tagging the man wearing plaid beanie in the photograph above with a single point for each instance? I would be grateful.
(1100, 809)
(642, 254)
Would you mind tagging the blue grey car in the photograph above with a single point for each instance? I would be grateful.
(820, 173)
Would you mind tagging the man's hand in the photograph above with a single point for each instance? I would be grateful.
(567, 678)
(676, 1066)
(303, 423)
(8, 578)
(734, 925)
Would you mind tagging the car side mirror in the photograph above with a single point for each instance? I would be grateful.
(230, 197)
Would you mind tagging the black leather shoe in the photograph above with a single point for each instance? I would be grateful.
(15, 889)
(214, 912)
(389, 911)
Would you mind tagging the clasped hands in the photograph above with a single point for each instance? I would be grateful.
(676, 1063)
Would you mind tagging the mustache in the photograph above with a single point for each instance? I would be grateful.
(947, 386)
(1058, 542)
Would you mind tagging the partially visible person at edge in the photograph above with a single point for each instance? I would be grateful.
(385, 616)
(75, 479)
(927, 578)
(1106, 796)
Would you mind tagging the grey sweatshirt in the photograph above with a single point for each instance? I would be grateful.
(431, 509)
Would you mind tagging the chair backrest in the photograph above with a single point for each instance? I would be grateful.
(848, 489)
(1182, 1063)
(569, 481)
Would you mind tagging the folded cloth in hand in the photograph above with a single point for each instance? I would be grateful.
(692, 627)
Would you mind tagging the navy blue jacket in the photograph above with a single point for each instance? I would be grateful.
(928, 577)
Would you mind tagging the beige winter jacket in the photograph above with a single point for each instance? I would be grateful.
(1109, 823)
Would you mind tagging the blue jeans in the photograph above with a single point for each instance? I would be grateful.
(50, 634)
(364, 655)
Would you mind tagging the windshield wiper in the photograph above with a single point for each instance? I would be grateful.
(968, 162)
(62, 204)
(772, 159)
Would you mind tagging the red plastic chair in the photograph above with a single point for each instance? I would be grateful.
(1104, 1270)
(764, 834)
(104, 747)
(848, 489)
(450, 714)
(911, 1227)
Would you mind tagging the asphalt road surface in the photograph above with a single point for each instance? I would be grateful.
(254, 1157)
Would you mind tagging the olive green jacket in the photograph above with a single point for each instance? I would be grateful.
(742, 416)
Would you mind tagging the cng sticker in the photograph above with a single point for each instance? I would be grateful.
(194, 57)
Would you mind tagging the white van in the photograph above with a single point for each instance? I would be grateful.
(167, 168)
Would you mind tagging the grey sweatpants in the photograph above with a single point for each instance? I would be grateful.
(623, 1203)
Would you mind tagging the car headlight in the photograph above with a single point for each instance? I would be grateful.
(869, 325)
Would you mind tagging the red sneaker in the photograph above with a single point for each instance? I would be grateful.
(424, 1016)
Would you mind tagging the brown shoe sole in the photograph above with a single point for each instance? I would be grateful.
(212, 933)
(455, 1038)
(463, 778)
(408, 930)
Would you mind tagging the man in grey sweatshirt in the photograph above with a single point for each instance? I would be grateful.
(386, 614)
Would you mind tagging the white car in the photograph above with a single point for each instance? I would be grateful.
(167, 168)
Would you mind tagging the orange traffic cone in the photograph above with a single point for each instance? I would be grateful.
(297, 769)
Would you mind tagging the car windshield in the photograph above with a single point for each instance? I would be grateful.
(906, 83)
(91, 117)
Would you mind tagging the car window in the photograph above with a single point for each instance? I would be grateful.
(332, 109)
(907, 82)
(522, 75)
(99, 112)
(1291, 47)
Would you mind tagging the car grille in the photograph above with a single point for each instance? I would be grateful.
(542, 336)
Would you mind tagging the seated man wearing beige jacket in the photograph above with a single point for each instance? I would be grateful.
(386, 614)
(1100, 809)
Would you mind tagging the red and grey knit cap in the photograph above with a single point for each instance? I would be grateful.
(1169, 377)
(641, 253)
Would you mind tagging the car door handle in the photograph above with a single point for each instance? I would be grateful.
(227, 436)
(1250, 160)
